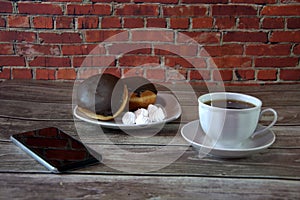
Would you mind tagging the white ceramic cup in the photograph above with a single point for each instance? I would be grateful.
(230, 127)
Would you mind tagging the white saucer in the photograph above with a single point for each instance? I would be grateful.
(168, 102)
(193, 133)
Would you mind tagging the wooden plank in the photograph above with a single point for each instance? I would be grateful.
(40, 100)
(37, 91)
(43, 186)
(47, 91)
(63, 111)
(31, 105)
(286, 136)
(271, 163)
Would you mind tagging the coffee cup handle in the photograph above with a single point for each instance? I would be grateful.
(270, 125)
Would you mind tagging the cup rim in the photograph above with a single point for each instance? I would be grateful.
(257, 105)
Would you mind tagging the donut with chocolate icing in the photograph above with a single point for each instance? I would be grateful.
(142, 92)
(102, 96)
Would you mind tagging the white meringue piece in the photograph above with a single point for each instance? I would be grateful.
(141, 111)
(151, 108)
(157, 116)
(129, 118)
(140, 119)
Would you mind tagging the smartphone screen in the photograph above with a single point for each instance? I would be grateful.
(54, 149)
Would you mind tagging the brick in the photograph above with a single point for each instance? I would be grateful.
(12, 61)
(222, 75)
(204, 1)
(6, 7)
(62, 22)
(181, 62)
(273, 23)
(133, 71)
(276, 62)
(43, 22)
(155, 74)
(188, 11)
(83, 49)
(6, 49)
(57, 154)
(59, 38)
(245, 74)
(285, 36)
(88, 22)
(45, 74)
(202, 22)
(39, 8)
(290, 74)
(51, 132)
(37, 49)
(66, 74)
(133, 22)
(109, 1)
(94, 61)
(87, 72)
(248, 23)
(263, 2)
(267, 75)
(179, 74)
(223, 50)
(21, 73)
(281, 10)
(268, 49)
(101, 35)
(15, 21)
(89, 9)
(180, 50)
(50, 62)
(199, 75)
(137, 10)
(112, 70)
(200, 37)
(296, 49)
(232, 61)
(293, 23)
(157, 1)
(5, 73)
(66, 1)
(245, 37)
(111, 22)
(135, 61)
(154, 35)
(179, 23)
(2, 22)
(9, 36)
(156, 22)
(234, 10)
(225, 22)
(46, 142)
(129, 48)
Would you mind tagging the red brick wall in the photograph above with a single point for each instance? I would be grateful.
(251, 41)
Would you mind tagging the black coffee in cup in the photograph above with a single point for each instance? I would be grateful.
(229, 104)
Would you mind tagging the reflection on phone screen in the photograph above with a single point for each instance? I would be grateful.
(56, 148)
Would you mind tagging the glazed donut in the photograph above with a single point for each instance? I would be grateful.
(142, 92)
(102, 97)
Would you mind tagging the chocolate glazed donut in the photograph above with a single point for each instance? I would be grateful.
(102, 97)
(142, 92)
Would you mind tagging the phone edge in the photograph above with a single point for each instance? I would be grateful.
(34, 155)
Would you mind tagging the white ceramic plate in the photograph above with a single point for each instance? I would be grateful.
(167, 101)
(193, 133)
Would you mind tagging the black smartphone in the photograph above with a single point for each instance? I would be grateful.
(56, 150)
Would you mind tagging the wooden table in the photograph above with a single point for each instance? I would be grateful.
(271, 174)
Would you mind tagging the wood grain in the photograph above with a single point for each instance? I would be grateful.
(29, 105)
(43, 186)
